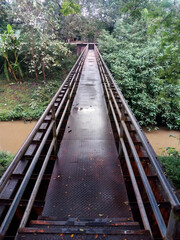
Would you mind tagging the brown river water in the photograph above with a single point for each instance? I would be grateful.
(13, 135)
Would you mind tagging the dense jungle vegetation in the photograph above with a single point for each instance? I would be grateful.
(143, 54)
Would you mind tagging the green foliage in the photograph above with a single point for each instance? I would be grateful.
(132, 56)
(103, 12)
(67, 64)
(9, 29)
(10, 44)
(29, 100)
(70, 7)
(45, 92)
(33, 108)
(4, 18)
(134, 8)
(170, 48)
(48, 53)
(171, 162)
(5, 160)
(42, 47)
(164, 19)
(78, 26)
(17, 113)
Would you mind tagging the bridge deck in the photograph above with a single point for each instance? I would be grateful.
(87, 180)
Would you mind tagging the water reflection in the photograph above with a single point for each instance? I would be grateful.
(84, 109)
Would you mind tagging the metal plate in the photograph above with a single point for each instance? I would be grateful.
(139, 235)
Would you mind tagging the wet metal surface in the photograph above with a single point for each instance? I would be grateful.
(87, 181)
(123, 235)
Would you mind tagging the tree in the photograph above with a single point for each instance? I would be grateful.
(4, 6)
(42, 47)
(105, 12)
(132, 56)
(11, 44)
(166, 21)
(134, 8)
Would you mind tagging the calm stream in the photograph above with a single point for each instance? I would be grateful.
(162, 138)
(13, 135)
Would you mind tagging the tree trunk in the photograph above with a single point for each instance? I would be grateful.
(43, 70)
(12, 71)
(32, 52)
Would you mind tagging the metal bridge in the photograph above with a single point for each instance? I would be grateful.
(87, 171)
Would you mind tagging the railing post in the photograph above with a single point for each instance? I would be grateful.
(121, 130)
(69, 97)
(54, 129)
(109, 100)
(174, 218)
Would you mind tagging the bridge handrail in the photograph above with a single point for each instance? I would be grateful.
(52, 126)
(24, 147)
(166, 232)
(165, 183)
(53, 143)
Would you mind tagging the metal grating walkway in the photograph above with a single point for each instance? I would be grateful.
(87, 180)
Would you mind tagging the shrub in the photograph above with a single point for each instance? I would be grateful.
(132, 56)
(171, 162)
(5, 160)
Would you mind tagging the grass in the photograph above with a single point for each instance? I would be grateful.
(26, 101)
(29, 100)
(15, 98)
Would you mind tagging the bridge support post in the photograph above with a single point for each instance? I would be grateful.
(69, 98)
(109, 97)
(109, 106)
(121, 130)
(54, 129)
(174, 219)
